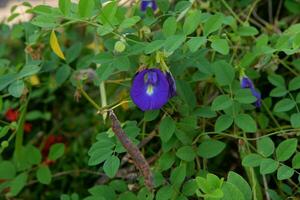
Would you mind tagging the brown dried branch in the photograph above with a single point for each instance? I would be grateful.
(137, 157)
(140, 145)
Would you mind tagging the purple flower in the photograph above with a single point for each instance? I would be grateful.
(172, 85)
(148, 3)
(151, 89)
(247, 83)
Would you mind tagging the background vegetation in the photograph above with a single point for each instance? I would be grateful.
(209, 142)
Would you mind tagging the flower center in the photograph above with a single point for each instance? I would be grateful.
(149, 90)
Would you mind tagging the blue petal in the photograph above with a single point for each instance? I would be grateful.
(148, 3)
(172, 85)
(258, 97)
(150, 89)
(246, 82)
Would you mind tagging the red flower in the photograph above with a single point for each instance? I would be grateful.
(27, 127)
(12, 115)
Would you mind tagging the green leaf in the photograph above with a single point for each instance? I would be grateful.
(205, 112)
(232, 192)
(246, 123)
(220, 45)
(278, 92)
(186, 153)
(65, 6)
(129, 22)
(284, 172)
(241, 184)
(189, 188)
(151, 115)
(18, 184)
(252, 160)
(166, 129)
(104, 71)
(28, 70)
(56, 151)
(62, 74)
(295, 161)
(223, 122)
(186, 93)
(265, 146)
(213, 24)
(16, 89)
(247, 31)
(35, 155)
(286, 149)
(111, 166)
(195, 43)
(244, 96)
(191, 22)
(224, 73)
(178, 175)
(7, 79)
(7, 170)
(173, 42)
(166, 161)
(210, 148)
(295, 120)
(294, 84)
(98, 155)
(164, 193)
(276, 80)
(85, 8)
(44, 175)
(154, 46)
(169, 26)
(221, 102)
(105, 29)
(268, 166)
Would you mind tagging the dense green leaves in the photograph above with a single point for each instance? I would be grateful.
(186, 153)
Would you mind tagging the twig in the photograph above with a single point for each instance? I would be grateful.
(140, 145)
(137, 157)
(64, 173)
(270, 11)
(266, 187)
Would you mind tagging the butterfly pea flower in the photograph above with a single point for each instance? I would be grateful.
(246, 82)
(148, 4)
(152, 88)
(172, 85)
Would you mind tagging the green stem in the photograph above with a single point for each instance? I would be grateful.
(232, 12)
(87, 97)
(20, 131)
